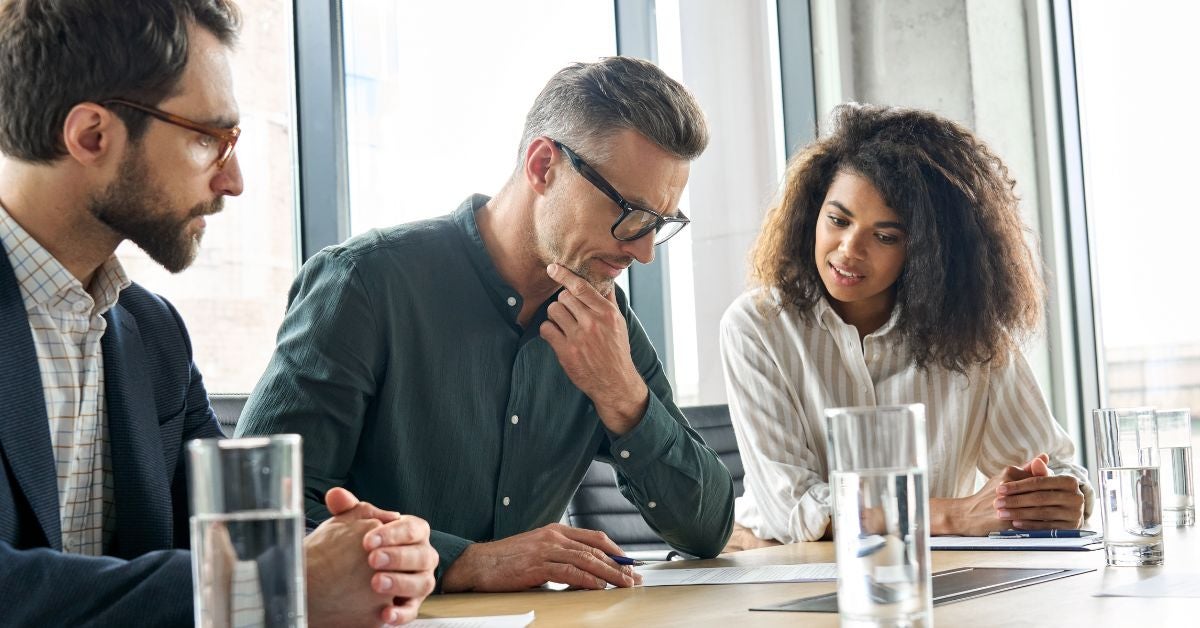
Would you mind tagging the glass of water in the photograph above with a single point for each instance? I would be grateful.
(877, 464)
(247, 531)
(1175, 444)
(1130, 494)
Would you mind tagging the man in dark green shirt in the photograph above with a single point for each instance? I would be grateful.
(468, 369)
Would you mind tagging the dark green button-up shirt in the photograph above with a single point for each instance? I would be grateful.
(401, 363)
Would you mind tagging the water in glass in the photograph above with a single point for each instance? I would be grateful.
(883, 577)
(1179, 508)
(1131, 506)
(245, 566)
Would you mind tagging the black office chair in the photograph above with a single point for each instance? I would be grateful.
(228, 409)
(598, 505)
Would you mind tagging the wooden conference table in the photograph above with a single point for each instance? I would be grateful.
(1063, 602)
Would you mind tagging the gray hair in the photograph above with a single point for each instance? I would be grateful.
(585, 104)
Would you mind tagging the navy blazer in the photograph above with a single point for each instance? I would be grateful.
(155, 401)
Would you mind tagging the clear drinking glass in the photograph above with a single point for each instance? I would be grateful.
(1175, 445)
(877, 465)
(1130, 496)
(247, 531)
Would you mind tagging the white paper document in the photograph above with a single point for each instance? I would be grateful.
(656, 556)
(495, 621)
(739, 575)
(1162, 585)
(1016, 544)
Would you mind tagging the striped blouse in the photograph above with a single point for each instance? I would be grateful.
(782, 372)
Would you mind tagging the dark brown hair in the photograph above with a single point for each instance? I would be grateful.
(55, 54)
(584, 104)
(970, 291)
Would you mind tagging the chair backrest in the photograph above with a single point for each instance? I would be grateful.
(598, 505)
(228, 409)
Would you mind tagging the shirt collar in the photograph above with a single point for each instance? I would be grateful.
(108, 282)
(829, 319)
(45, 282)
(826, 317)
(506, 299)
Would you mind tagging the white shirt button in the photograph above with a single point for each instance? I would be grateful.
(512, 300)
(507, 501)
(652, 504)
(80, 306)
(515, 419)
(625, 453)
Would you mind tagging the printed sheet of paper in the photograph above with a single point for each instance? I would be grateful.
(495, 621)
(1162, 585)
(984, 543)
(739, 575)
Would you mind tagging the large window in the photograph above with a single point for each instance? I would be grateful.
(233, 297)
(1136, 104)
(727, 55)
(437, 92)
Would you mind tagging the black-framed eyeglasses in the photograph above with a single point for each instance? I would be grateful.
(227, 137)
(634, 222)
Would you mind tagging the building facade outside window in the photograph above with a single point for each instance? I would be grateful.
(437, 92)
(233, 297)
(1139, 160)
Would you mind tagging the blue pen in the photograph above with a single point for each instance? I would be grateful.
(625, 560)
(1040, 534)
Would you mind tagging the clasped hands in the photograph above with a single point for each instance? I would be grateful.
(1029, 497)
(366, 565)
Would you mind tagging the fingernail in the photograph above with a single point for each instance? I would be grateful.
(1003, 514)
(386, 585)
(1002, 489)
(375, 541)
(1000, 503)
(550, 268)
(394, 617)
(381, 559)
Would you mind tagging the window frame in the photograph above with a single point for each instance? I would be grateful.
(1077, 341)
(322, 173)
(322, 179)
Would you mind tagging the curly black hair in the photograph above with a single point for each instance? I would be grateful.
(970, 291)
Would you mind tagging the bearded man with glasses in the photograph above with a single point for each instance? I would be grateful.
(118, 122)
(468, 369)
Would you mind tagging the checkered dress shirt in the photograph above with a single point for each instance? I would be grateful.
(67, 324)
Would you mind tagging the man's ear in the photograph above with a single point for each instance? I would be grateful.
(538, 157)
(92, 134)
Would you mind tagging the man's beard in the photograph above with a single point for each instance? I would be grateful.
(548, 241)
(137, 211)
(583, 268)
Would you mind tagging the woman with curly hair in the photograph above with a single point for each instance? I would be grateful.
(893, 270)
